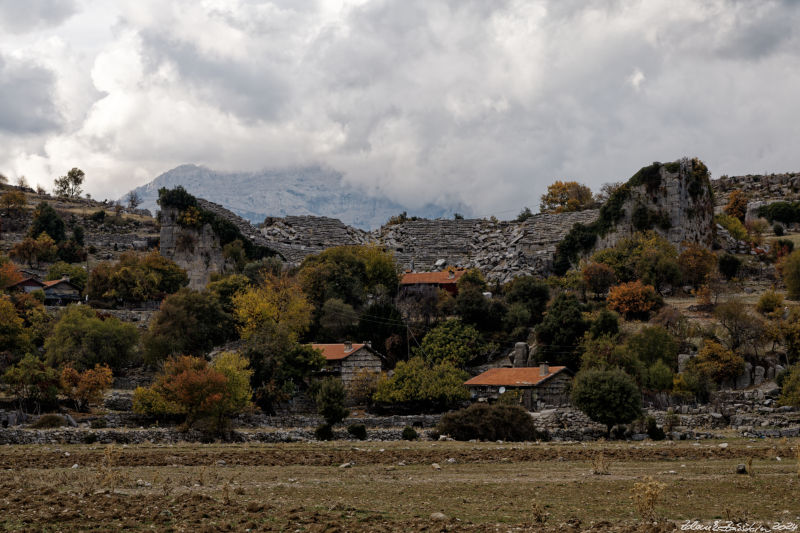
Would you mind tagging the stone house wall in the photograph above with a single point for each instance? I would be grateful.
(356, 362)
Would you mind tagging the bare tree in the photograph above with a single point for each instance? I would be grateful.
(134, 200)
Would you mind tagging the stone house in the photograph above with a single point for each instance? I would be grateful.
(424, 282)
(60, 292)
(346, 360)
(539, 386)
(26, 285)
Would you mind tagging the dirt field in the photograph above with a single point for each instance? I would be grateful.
(392, 486)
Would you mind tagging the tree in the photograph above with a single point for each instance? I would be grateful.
(532, 293)
(135, 278)
(472, 306)
(652, 344)
(84, 339)
(606, 353)
(608, 397)
(12, 201)
(729, 265)
(134, 200)
(645, 256)
(14, 339)
(235, 253)
(790, 270)
(737, 205)
(87, 387)
(47, 220)
(417, 384)
(76, 274)
(35, 251)
(281, 367)
(276, 307)
(34, 383)
(524, 215)
(790, 389)
(188, 323)
(70, 185)
(716, 362)
(561, 331)
(330, 401)
(564, 196)
(598, 278)
(453, 342)
(605, 323)
(633, 299)
(696, 263)
(9, 274)
(743, 329)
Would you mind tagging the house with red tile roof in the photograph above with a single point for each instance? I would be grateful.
(60, 292)
(446, 280)
(346, 360)
(538, 386)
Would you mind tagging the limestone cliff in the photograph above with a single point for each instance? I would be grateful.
(196, 250)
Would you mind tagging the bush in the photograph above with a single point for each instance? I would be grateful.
(696, 263)
(717, 363)
(786, 212)
(605, 323)
(324, 432)
(769, 302)
(359, 431)
(778, 230)
(654, 343)
(561, 331)
(729, 265)
(490, 422)
(87, 387)
(410, 433)
(452, 342)
(330, 401)
(733, 225)
(634, 299)
(653, 431)
(790, 387)
(50, 421)
(430, 387)
(607, 396)
(790, 270)
(598, 277)
(737, 205)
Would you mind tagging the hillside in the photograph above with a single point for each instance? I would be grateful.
(277, 193)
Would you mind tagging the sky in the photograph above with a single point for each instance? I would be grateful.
(462, 101)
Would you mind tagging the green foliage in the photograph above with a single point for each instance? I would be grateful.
(148, 401)
(532, 293)
(742, 328)
(416, 382)
(135, 278)
(235, 253)
(472, 306)
(409, 433)
(652, 344)
(790, 270)
(729, 265)
(716, 363)
(177, 198)
(609, 397)
(98, 216)
(225, 289)
(337, 318)
(46, 220)
(82, 337)
(330, 401)
(358, 431)
(733, 225)
(14, 339)
(653, 431)
(644, 256)
(606, 353)
(605, 323)
(70, 185)
(77, 274)
(380, 321)
(643, 218)
(786, 212)
(453, 342)
(34, 383)
(324, 432)
(790, 387)
(778, 230)
(490, 423)
(524, 215)
(659, 377)
(561, 331)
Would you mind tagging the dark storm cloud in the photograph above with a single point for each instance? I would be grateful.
(26, 98)
(20, 16)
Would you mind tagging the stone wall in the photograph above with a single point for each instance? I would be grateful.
(759, 187)
(198, 251)
(362, 360)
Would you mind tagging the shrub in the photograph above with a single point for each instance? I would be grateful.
(729, 265)
(50, 421)
(324, 432)
(409, 433)
(716, 362)
(598, 277)
(659, 377)
(416, 383)
(34, 383)
(786, 212)
(607, 396)
(561, 331)
(605, 323)
(696, 263)
(531, 292)
(737, 205)
(733, 225)
(654, 343)
(452, 342)
(790, 387)
(87, 387)
(653, 431)
(634, 299)
(489, 422)
(330, 401)
(359, 431)
(790, 270)
(769, 302)
(135, 278)
(778, 230)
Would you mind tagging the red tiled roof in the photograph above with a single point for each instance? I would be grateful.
(432, 278)
(55, 282)
(334, 352)
(25, 281)
(513, 377)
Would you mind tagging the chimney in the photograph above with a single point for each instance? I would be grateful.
(348, 346)
(544, 368)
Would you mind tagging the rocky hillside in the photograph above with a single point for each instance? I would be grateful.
(292, 192)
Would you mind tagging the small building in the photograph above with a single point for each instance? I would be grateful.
(26, 285)
(422, 282)
(539, 386)
(60, 292)
(346, 360)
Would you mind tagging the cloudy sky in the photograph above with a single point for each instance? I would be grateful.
(475, 101)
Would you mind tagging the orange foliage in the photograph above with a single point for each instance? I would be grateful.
(9, 275)
(87, 387)
(633, 299)
(192, 384)
(696, 263)
(737, 205)
(598, 277)
(566, 196)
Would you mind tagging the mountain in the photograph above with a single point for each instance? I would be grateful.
(295, 191)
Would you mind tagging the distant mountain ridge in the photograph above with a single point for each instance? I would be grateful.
(295, 191)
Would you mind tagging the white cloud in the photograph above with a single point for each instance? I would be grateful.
(483, 103)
